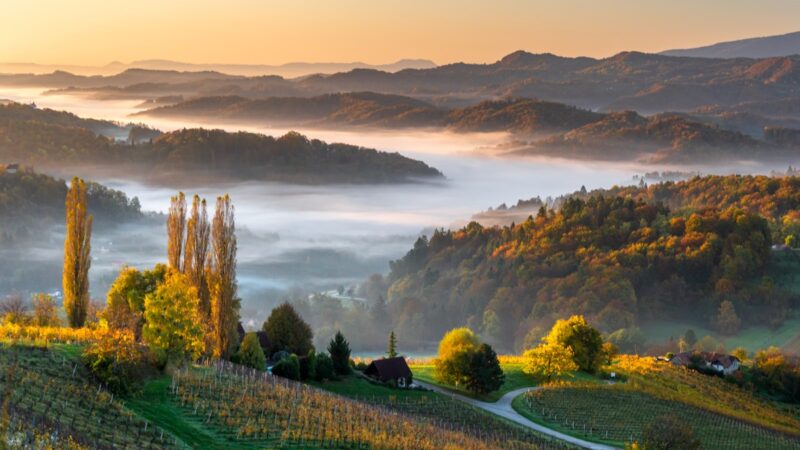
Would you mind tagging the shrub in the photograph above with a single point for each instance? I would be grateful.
(324, 367)
(121, 364)
(669, 432)
(308, 366)
(288, 368)
(250, 353)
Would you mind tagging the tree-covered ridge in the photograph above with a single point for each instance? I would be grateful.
(369, 109)
(45, 140)
(616, 260)
(29, 200)
(20, 112)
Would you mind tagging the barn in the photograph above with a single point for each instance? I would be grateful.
(390, 370)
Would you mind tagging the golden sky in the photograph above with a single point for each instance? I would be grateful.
(94, 32)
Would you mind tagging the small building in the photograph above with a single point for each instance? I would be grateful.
(718, 363)
(390, 370)
(11, 168)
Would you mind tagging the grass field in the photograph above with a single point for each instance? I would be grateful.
(515, 379)
(613, 415)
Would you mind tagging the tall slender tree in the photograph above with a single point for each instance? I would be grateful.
(391, 351)
(195, 254)
(77, 254)
(176, 226)
(224, 304)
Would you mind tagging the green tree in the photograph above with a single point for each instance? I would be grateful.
(77, 254)
(288, 368)
(339, 350)
(548, 361)
(308, 366)
(45, 312)
(288, 331)
(172, 328)
(669, 432)
(690, 338)
(585, 342)
(324, 367)
(391, 352)
(250, 353)
(484, 374)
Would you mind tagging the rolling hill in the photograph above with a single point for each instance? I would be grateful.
(758, 47)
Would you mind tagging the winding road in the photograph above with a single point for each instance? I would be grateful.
(503, 409)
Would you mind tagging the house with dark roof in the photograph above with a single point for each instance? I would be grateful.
(719, 363)
(11, 168)
(390, 370)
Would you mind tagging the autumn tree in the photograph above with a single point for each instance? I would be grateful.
(125, 298)
(45, 312)
(585, 342)
(549, 360)
(77, 254)
(339, 350)
(288, 331)
(669, 432)
(726, 321)
(391, 351)
(172, 327)
(250, 353)
(222, 282)
(453, 359)
(195, 254)
(14, 310)
(176, 227)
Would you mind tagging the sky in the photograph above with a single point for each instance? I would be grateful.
(95, 32)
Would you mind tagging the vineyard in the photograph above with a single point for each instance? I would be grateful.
(258, 410)
(50, 401)
(613, 414)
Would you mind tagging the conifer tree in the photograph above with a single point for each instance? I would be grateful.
(77, 254)
(224, 304)
(176, 226)
(339, 349)
(392, 350)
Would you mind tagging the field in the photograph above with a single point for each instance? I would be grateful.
(438, 408)
(723, 415)
(515, 379)
(47, 395)
(613, 415)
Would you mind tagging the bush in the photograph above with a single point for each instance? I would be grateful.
(121, 364)
(287, 368)
(361, 366)
(339, 350)
(250, 353)
(324, 367)
(308, 366)
(669, 433)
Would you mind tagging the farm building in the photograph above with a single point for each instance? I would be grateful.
(11, 168)
(390, 370)
(716, 362)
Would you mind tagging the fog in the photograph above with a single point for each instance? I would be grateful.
(322, 237)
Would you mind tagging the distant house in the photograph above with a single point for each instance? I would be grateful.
(716, 362)
(390, 370)
(11, 168)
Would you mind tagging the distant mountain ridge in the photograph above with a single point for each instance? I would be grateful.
(757, 47)
(288, 70)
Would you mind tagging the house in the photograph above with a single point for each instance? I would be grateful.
(11, 168)
(390, 370)
(718, 363)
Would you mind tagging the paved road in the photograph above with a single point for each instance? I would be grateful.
(503, 408)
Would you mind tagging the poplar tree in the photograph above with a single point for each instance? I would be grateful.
(176, 226)
(77, 258)
(195, 254)
(224, 304)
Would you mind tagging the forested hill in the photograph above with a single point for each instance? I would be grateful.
(619, 261)
(369, 109)
(46, 139)
(30, 201)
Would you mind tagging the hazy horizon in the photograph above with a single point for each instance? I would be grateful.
(264, 33)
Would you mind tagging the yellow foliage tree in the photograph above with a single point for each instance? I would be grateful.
(453, 358)
(222, 280)
(172, 327)
(549, 360)
(77, 259)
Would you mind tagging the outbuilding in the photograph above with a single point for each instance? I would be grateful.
(390, 370)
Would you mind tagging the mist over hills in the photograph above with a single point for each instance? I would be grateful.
(757, 47)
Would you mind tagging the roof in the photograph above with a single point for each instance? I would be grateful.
(388, 369)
